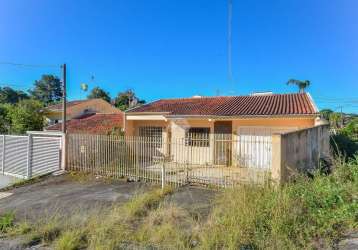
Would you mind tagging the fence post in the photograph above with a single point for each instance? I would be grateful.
(3, 155)
(163, 175)
(29, 155)
(63, 151)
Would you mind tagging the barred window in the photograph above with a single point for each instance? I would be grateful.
(155, 134)
(197, 137)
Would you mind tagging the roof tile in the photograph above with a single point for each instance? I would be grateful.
(275, 104)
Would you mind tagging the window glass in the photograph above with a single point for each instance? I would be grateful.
(197, 137)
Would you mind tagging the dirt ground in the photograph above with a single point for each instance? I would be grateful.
(62, 194)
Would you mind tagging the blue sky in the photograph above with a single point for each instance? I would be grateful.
(164, 48)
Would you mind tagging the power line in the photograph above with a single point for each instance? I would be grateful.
(31, 65)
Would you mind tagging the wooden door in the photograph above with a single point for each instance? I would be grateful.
(223, 142)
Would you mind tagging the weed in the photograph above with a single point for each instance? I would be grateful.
(168, 226)
(71, 240)
(6, 221)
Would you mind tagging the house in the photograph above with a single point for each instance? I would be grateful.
(93, 116)
(103, 124)
(223, 130)
(79, 108)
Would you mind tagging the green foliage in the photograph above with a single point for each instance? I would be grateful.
(5, 121)
(346, 141)
(127, 99)
(294, 216)
(47, 90)
(9, 95)
(71, 240)
(97, 92)
(351, 130)
(26, 115)
(325, 113)
(302, 85)
(6, 222)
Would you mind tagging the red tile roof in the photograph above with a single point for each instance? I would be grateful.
(92, 124)
(70, 104)
(273, 104)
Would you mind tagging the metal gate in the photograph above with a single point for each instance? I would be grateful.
(29, 156)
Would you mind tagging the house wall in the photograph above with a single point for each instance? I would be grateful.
(182, 153)
(94, 106)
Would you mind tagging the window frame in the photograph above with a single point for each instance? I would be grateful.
(197, 137)
(153, 133)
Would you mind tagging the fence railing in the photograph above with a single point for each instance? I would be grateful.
(30, 155)
(213, 160)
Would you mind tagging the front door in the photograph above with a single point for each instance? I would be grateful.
(222, 142)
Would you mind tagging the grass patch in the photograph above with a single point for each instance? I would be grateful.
(168, 227)
(118, 228)
(306, 214)
(310, 213)
(6, 222)
(71, 240)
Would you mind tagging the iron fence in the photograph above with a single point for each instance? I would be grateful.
(219, 159)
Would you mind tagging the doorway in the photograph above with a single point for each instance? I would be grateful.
(223, 143)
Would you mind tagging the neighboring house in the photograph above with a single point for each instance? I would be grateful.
(244, 119)
(93, 116)
(76, 109)
(92, 124)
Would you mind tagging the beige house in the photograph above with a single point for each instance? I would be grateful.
(79, 108)
(224, 130)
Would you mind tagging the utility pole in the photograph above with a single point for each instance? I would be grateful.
(64, 98)
(64, 111)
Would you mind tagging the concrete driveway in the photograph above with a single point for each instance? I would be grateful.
(63, 195)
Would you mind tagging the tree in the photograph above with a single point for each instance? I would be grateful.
(127, 99)
(5, 121)
(334, 119)
(325, 113)
(302, 85)
(9, 95)
(47, 90)
(26, 115)
(97, 92)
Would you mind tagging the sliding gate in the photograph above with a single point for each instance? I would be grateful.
(29, 156)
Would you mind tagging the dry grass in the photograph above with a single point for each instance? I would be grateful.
(307, 214)
(168, 227)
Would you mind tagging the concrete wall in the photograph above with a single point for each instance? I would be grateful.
(299, 151)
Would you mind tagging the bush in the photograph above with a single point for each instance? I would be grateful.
(343, 145)
(299, 215)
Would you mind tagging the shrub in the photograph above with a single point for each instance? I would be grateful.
(294, 216)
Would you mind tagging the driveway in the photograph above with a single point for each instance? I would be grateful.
(62, 194)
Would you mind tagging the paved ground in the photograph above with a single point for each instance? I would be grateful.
(66, 195)
(6, 180)
(63, 194)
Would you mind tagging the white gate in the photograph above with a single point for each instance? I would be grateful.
(29, 156)
(254, 148)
